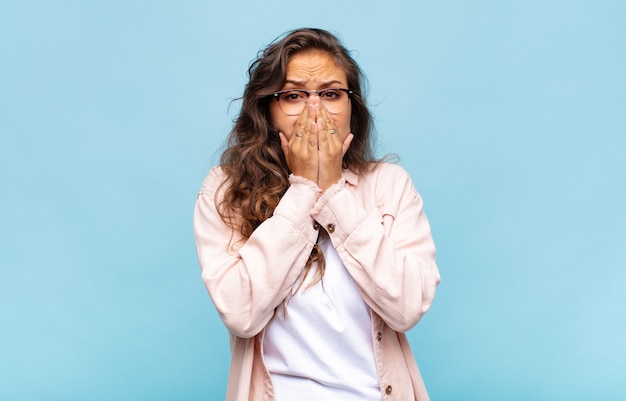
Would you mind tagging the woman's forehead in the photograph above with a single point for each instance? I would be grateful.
(314, 67)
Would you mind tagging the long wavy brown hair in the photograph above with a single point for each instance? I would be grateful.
(253, 161)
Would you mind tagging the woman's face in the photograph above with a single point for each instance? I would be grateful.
(312, 70)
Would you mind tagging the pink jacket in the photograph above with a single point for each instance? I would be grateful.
(377, 224)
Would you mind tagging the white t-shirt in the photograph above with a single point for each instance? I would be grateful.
(322, 349)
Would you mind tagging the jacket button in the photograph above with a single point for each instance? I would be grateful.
(330, 228)
(388, 389)
(379, 336)
(316, 225)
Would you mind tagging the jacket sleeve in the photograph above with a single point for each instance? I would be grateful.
(389, 251)
(248, 280)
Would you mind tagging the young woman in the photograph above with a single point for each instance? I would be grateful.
(317, 256)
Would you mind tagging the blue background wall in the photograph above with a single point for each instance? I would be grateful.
(509, 115)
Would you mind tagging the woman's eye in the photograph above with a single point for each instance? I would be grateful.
(292, 96)
(330, 95)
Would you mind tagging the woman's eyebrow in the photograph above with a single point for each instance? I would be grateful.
(326, 84)
(331, 84)
(294, 82)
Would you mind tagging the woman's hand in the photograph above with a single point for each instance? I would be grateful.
(332, 147)
(315, 148)
(301, 149)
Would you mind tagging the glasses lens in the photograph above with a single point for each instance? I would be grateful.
(292, 102)
(335, 100)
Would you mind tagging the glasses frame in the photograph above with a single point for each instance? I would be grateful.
(319, 92)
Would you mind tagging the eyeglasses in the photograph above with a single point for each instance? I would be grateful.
(293, 101)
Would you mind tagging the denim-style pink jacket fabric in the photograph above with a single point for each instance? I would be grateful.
(377, 224)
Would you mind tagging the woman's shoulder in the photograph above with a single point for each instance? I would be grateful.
(385, 172)
(386, 180)
(213, 180)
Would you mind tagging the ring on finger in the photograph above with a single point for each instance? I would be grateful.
(298, 135)
(332, 131)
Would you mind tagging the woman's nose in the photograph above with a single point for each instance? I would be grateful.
(314, 98)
